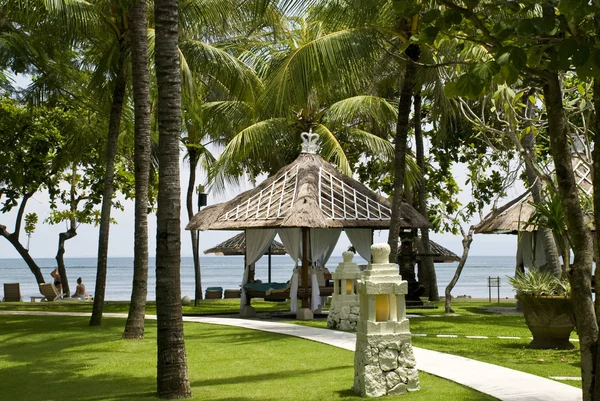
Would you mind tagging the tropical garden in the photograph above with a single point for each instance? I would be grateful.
(399, 92)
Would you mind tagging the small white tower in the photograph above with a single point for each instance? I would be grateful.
(344, 310)
(383, 361)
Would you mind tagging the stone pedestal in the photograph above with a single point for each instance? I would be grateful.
(344, 310)
(304, 314)
(247, 311)
(383, 361)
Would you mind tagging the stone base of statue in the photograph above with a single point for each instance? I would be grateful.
(384, 366)
(343, 317)
(247, 311)
(304, 314)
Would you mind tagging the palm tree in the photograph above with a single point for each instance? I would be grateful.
(172, 376)
(138, 25)
(298, 97)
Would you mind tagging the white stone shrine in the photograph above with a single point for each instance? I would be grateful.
(344, 310)
(383, 361)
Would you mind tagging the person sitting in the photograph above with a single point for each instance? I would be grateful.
(57, 283)
(80, 290)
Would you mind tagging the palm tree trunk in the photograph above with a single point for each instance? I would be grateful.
(189, 202)
(60, 260)
(402, 125)
(172, 375)
(13, 238)
(535, 184)
(138, 28)
(466, 243)
(114, 128)
(426, 262)
(581, 270)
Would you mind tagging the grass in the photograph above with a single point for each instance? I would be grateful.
(212, 307)
(472, 321)
(510, 353)
(55, 358)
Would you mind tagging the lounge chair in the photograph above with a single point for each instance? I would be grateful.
(50, 292)
(12, 292)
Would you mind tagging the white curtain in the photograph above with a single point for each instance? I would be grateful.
(528, 242)
(257, 243)
(361, 239)
(292, 241)
(322, 244)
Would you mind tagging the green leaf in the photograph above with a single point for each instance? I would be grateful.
(469, 85)
(450, 90)
(566, 50)
(545, 25)
(486, 71)
(430, 16)
(515, 56)
(429, 34)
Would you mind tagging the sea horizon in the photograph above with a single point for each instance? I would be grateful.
(227, 271)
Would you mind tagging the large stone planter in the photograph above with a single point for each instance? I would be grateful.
(550, 320)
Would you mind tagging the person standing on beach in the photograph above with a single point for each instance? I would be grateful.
(57, 283)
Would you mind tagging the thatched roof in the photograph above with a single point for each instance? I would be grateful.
(237, 246)
(512, 217)
(438, 253)
(309, 192)
(508, 219)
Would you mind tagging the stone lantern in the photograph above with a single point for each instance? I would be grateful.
(383, 361)
(344, 310)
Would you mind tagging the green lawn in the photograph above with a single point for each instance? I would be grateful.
(60, 358)
(473, 321)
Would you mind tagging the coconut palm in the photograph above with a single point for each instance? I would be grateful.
(138, 21)
(298, 97)
(172, 376)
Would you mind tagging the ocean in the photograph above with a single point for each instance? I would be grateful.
(226, 272)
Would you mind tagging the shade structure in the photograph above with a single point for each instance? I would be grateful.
(307, 193)
(438, 253)
(512, 217)
(237, 246)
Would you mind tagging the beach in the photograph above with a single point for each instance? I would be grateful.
(226, 272)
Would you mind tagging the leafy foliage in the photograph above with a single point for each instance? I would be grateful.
(540, 283)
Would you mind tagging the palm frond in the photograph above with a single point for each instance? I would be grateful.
(332, 150)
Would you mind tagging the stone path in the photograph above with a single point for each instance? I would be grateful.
(502, 383)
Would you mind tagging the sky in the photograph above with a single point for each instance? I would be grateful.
(45, 239)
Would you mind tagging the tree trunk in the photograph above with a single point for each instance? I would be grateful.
(13, 238)
(466, 243)
(404, 105)
(581, 270)
(427, 261)
(172, 375)
(14, 241)
(60, 260)
(189, 202)
(595, 174)
(138, 28)
(535, 185)
(114, 128)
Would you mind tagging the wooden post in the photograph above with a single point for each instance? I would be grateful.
(269, 263)
(305, 241)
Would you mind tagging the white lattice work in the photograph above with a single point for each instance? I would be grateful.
(583, 178)
(273, 202)
(339, 201)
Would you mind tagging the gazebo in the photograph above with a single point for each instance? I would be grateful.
(308, 203)
(237, 246)
(438, 253)
(512, 218)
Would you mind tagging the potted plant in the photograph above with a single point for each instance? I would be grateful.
(547, 308)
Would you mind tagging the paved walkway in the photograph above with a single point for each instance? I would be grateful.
(502, 383)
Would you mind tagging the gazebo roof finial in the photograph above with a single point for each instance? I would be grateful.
(309, 142)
